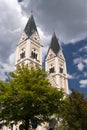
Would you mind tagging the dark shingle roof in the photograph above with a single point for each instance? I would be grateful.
(54, 44)
(30, 27)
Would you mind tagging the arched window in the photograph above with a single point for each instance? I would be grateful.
(22, 53)
(34, 54)
(51, 69)
(61, 69)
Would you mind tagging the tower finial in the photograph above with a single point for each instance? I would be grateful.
(31, 13)
(54, 35)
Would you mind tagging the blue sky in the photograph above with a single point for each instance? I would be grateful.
(66, 17)
(76, 58)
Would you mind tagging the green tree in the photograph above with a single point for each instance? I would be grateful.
(28, 95)
(76, 111)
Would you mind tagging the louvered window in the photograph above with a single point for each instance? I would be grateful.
(51, 69)
(34, 54)
(61, 69)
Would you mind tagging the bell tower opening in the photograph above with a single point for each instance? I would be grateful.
(34, 54)
(51, 69)
(22, 53)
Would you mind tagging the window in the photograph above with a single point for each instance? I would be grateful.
(51, 69)
(34, 54)
(61, 69)
(22, 53)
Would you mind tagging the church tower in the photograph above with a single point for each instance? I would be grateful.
(29, 49)
(55, 65)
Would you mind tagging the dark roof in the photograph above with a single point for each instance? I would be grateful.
(55, 44)
(30, 27)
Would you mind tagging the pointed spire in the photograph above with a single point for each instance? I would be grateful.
(31, 26)
(54, 44)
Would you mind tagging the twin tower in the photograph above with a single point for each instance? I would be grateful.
(29, 51)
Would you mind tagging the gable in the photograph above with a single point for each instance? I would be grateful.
(60, 55)
(23, 38)
(50, 54)
(35, 37)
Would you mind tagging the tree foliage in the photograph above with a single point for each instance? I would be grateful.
(28, 95)
(76, 111)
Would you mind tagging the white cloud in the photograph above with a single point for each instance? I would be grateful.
(85, 60)
(5, 68)
(80, 66)
(77, 60)
(12, 58)
(45, 39)
(2, 75)
(83, 83)
(11, 23)
(80, 62)
(83, 49)
(68, 18)
(72, 76)
(85, 74)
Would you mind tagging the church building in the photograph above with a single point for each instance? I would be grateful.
(29, 51)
